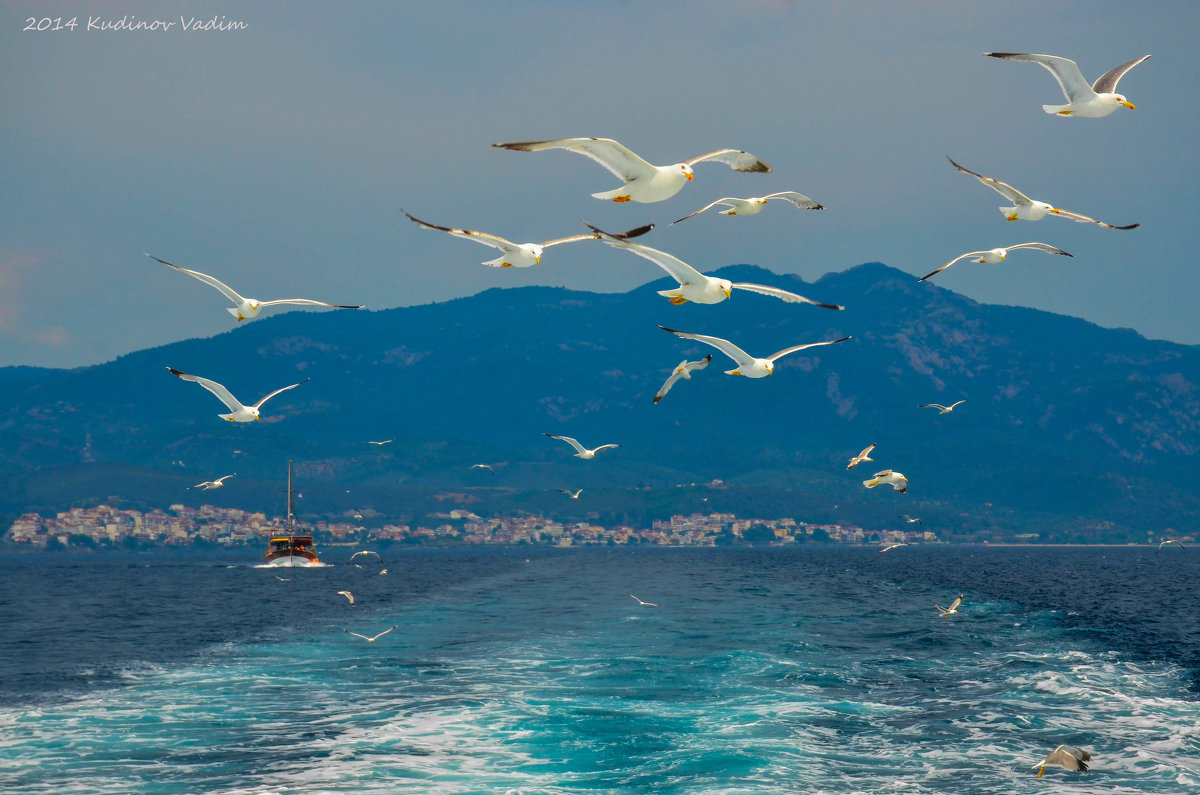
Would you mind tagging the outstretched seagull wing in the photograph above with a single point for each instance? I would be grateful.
(635, 232)
(225, 289)
(569, 440)
(708, 206)
(220, 391)
(1003, 188)
(614, 156)
(1046, 247)
(794, 348)
(276, 392)
(724, 346)
(1107, 82)
(1087, 220)
(1065, 71)
(798, 199)
(507, 246)
(782, 295)
(736, 159)
(308, 302)
(951, 262)
(679, 270)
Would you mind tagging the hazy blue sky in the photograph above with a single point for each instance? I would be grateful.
(279, 158)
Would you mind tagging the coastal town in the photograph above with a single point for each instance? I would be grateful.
(104, 526)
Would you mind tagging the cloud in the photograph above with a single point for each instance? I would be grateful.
(54, 336)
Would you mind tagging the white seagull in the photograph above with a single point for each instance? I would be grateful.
(349, 596)
(238, 412)
(694, 285)
(644, 183)
(755, 204)
(994, 255)
(385, 441)
(946, 612)
(1090, 102)
(747, 365)
(1068, 756)
(890, 547)
(517, 255)
(1170, 541)
(574, 494)
(246, 307)
(911, 519)
(213, 484)
(488, 467)
(682, 370)
(365, 552)
(580, 450)
(1027, 209)
(888, 478)
(941, 409)
(643, 604)
(374, 638)
(858, 459)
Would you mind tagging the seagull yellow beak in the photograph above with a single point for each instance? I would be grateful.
(537, 260)
(689, 176)
(728, 292)
(1129, 105)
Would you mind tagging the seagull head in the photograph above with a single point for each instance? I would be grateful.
(536, 252)
(687, 171)
(1120, 100)
(725, 286)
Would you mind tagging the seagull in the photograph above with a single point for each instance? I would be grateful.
(946, 612)
(747, 365)
(890, 547)
(517, 255)
(1027, 209)
(283, 579)
(349, 596)
(371, 639)
(238, 412)
(488, 467)
(574, 494)
(754, 205)
(694, 285)
(941, 409)
(644, 183)
(365, 552)
(887, 477)
(643, 604)
(1169, 541)
(911, 519)
(858, 459)
(358, 516)
(1068, 756)
(682, 370)
(213, 484)
(580, 450)
(1090, 102)
(385, 441)
(246, 307)
(994, 255)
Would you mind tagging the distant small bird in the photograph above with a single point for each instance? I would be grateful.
(858, 459)
(747, 365)
(643, 182)
(349, 596)
(994, 255)
(574, 494)
(888, 478)
(682, 370)
(238, 412)
(371, 639)
(488, 467)
(1068, 756)
(890, 547)
(283, 579)
(643, 604)
(1170, 541)
(358, 517)
(580, 450)
(382, 572)
(755, 205)
(911, 519)
(941, 409)
(385, 441)
(946, 612)
(213, 484)
(365, 553)
(1089, 102)
(247, 307)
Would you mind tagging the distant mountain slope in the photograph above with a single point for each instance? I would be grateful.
(1061, 415)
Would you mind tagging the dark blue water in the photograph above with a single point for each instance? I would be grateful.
(532, 670)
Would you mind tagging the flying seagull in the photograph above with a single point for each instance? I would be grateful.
(238, 412)
(941, 409)
(349, 596)
(283, 579)
(911, 519)
(858, 459)
(682, 370)
(1027, 209)
(888, 478)
(213, 484)
(580, 450)
(488, 467)
(747, 365)
(946, 612)
(1170, 541)
(994, 255)
(574, 494)
(890, 547)
(1090, 102)
(754, 205)
(643, 604)
(517, 255)
(365, 553)
(644, 183)
(1068, 756)
(246, 307)
(371, 639)
(385, 441)
(694, 285)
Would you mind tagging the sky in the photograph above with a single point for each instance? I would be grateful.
(280, 156)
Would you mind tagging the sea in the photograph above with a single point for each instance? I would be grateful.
(535, 670)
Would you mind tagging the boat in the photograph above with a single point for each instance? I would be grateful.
(291, 549)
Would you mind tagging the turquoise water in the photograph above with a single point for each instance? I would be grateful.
(533, 671)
